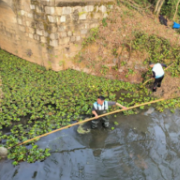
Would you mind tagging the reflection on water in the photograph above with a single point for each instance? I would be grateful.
(141, 147)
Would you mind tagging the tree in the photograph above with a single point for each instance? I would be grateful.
(158, 6)
(176, 9)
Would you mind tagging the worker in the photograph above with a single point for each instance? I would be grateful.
(158, 74)
(100, 107)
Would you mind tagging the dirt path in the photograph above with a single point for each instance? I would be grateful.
(170, 87)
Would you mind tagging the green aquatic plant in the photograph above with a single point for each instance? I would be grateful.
(36, 101)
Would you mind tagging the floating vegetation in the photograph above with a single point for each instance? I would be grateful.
(36, 101)
(82, 130)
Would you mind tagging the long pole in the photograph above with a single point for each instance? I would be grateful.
(86, 120)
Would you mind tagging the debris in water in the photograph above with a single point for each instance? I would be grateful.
(149, 111)
(3, 152)
(82, 130)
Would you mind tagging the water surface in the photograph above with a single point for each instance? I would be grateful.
(139, 148)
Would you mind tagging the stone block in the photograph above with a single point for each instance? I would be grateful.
(58, 11)
(22, 28)
(39, 9)
(89, 8)
(43, 39)
(63, 19)
(53, 29)
(52, 19)
(82, 16)
(83, 26)
(102, 8)
(49, 10)
(76, 33)
(46, 34)
(22, 12)
(66, 10)
(79, 8)
(78, 38)
(40, 25)
(19, 21)
(54, 43)
(39, 32)
(63, 34)
(61, 28)
(97, 15)
(86, 26)
(84, 31)
(94, 25)
(31, 30)
(30, 15)
(105, 15)
(65, 40)
(69, 33)
(28, 23)
(73, 38)
(36, 37)
(32, 6)
(54, 36)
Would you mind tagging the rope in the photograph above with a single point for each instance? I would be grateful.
(86, 120)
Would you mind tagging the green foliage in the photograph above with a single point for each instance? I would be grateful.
(104, 70)
(37, 101)
(130, 72)
(92, 37)
(116, 123)
(123, 63)
(104, 23)
(159, 49)
(118, 2)
(169, 7)
(114, 52)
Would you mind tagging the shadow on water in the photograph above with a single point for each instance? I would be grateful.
(141, 147)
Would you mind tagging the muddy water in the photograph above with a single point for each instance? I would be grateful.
(141, 147)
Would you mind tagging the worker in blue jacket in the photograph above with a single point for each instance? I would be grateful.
(100, 107)
(158, 74)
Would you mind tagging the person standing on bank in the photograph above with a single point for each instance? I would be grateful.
(158, 74)
(100, 107)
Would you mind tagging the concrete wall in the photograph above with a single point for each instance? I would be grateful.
(49, 32)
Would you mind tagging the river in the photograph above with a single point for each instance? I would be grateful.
(141, 147)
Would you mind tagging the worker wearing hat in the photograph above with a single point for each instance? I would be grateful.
(100, 107)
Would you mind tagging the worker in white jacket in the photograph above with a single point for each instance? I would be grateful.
(158, 74)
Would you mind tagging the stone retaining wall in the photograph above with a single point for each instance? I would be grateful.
(49, 32)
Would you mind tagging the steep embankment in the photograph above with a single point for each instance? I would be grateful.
(125, 43)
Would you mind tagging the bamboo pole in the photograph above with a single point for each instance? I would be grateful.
(86, 120)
